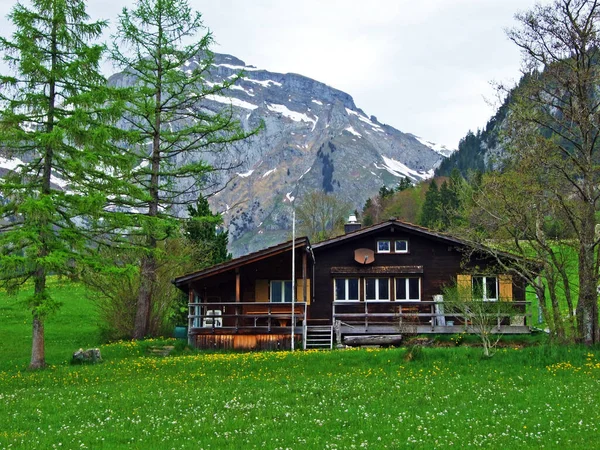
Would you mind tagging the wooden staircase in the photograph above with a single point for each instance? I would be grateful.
(319, 337)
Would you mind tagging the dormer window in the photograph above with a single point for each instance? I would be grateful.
(401, 246)
(383, 247)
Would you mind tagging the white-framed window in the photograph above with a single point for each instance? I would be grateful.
(377, 288)
(281, 291)
(408, 288)
(401, 246)
(346, 289)
(485, 288)
(383, 247)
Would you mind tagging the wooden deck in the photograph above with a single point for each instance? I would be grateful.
(247, 325)
(418, 317)
(256, 325)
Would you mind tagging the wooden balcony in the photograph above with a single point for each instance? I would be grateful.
(246, 318)
(419, 317)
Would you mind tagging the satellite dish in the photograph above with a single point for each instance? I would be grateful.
(364, 255)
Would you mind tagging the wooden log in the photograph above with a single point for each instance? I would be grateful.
(389, 339)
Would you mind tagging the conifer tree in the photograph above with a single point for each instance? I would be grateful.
(166, 120)
(53, 125)
(201, 229)
(430, 214)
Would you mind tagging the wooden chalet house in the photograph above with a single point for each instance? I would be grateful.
(385, 279)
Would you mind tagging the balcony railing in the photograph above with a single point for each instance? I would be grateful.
(424, 313)
(247, 317)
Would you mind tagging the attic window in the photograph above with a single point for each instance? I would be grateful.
(383, 246)
(401, 246)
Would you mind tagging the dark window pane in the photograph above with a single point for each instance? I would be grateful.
(276, 291)
(383, 246)
(353, 289)
(402, 246)
(384, 289)
(401, 289)
(288, 291)
(413, 289)
(340, 290)
(491, 291)
(370, 288)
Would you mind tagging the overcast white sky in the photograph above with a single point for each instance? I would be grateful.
(423, 66)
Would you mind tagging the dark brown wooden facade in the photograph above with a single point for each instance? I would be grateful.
(249, 296)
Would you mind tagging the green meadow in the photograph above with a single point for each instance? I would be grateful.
(539, 396)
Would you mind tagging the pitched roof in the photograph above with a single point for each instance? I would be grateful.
(421, 230)
(392, 222)
(181, 281)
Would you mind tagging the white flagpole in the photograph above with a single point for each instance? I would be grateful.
(293, 274)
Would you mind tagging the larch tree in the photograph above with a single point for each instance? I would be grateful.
(53, 127)
(555, 119)
(170, 131)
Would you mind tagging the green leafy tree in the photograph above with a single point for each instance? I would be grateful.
(170, 126)
(321, 216)
(202, 229)
(53, 124)
(554, 120)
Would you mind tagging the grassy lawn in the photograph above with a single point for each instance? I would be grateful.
(531, 397)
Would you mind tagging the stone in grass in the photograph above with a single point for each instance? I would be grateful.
(89, 356)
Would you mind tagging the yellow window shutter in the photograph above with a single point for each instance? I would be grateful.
(261, 291)
(300, 291)
(464, 285)
(506, 288)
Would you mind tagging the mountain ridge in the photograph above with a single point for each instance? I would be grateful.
(314, 138)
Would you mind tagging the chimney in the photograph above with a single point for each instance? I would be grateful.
(352, 224)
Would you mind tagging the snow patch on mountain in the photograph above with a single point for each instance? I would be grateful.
(231, 101)
(269, 172)
(235, 87)
(15, 163)
(295, 116)
(438, 148)
(265, 83)
(307, 170)
(398, 169)
(10, 164)
(246, 174)
(353, 131)
(232, 67)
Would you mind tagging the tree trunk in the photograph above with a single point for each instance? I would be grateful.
(556, 316)
(38, 352)
(587, 306)
(144, 301)
(148, 263)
